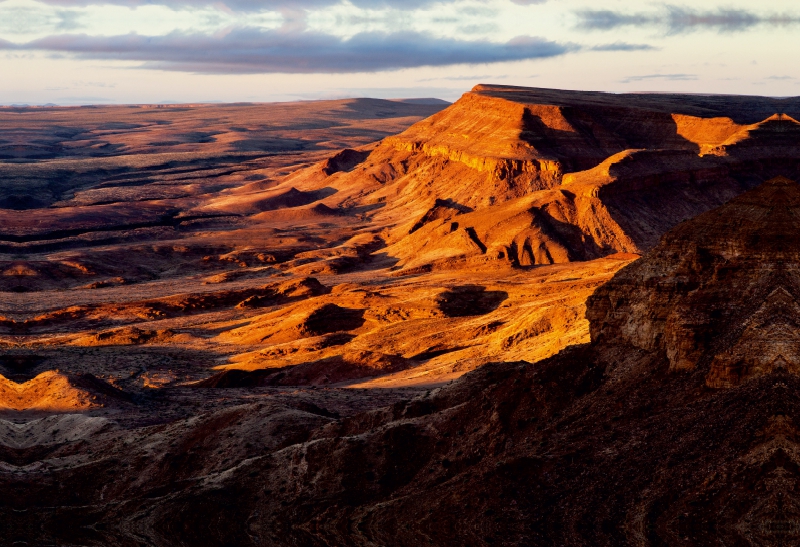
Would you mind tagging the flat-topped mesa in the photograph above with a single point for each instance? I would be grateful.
(477, 152)
(529, 142)
(721, 291)
(530, 176)
(489, 147)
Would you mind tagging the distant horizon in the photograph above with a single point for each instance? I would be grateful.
(433, 100)
(427, 100)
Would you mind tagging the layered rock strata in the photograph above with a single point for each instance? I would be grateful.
(553, 176)
(222, 312)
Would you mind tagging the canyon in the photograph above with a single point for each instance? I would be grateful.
(530, 317)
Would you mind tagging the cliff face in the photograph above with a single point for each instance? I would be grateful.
(678, 421)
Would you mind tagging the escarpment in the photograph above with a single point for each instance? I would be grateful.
(618, 171)
(679, 419)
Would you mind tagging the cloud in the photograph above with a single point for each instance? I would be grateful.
(259, 5)
(672, 77)
(609, 20)
(249, 50)
(726, 20)
(623, 46)
(678, 20)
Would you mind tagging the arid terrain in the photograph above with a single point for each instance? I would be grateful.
(531, 317)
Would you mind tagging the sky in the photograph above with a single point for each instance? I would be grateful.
(188, 51)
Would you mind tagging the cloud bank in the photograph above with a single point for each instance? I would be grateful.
(260, 5)
(248, 50)
(678, 20)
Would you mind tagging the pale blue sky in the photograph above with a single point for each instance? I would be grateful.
(129, 51)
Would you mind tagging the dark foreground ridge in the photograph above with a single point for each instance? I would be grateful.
(677, 425)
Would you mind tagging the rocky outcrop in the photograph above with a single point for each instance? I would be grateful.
(54, 391)
(548, 227)
(719, 291)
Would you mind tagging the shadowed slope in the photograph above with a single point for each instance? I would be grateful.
(747, 250)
